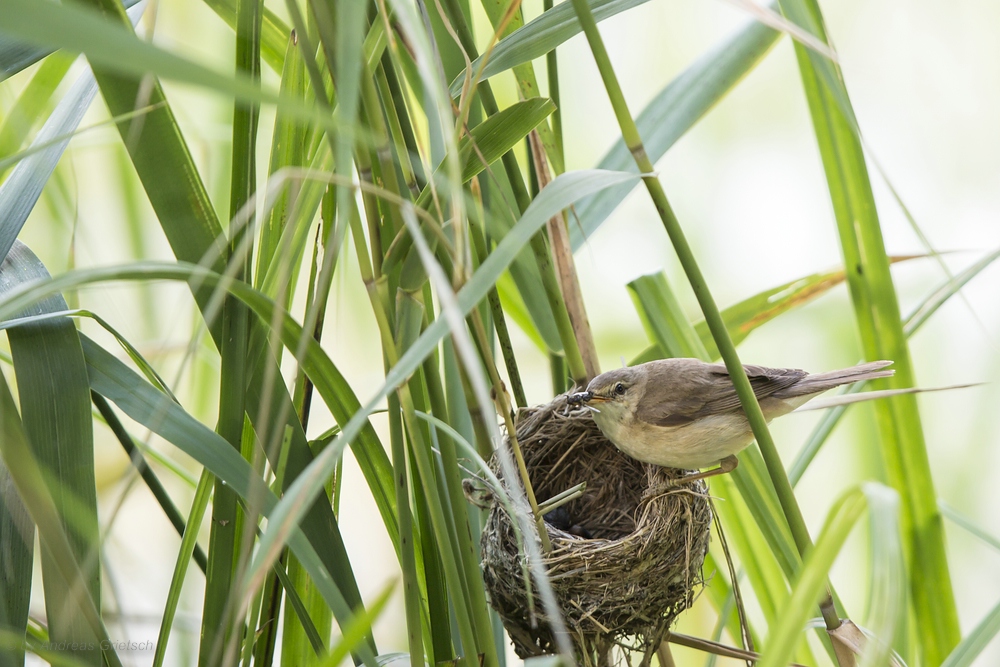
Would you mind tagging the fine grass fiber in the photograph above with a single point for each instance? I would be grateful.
(631, 556)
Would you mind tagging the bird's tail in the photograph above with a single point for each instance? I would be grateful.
(813, 384)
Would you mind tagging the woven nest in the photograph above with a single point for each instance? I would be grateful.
(630, 560)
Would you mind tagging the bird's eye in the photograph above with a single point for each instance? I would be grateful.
(620, 389)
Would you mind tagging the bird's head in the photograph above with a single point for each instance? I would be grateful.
(612, 395)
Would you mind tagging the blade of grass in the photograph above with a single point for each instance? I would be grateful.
(524, 43)
(882, 504)
(973, 643)
(221, 619)
(288, 149)
(880, 326)
(147, 474)
(17, 539)
(959, 519)
(189, 542)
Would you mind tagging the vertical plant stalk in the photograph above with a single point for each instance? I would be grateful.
(630, 133)
(226, 516)
(562, 255)
(506, 17)
(503, 407)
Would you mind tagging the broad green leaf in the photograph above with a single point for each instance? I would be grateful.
(17, 539)
(55, 410)
(22, 188)
(274, 32)
(663, 318)
(30, 105)
(674, 111)
(32, 485)
(288, 149)
(538, 37)
(16, 55)
(880, 326)
(499, 133)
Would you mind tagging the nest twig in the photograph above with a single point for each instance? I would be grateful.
(627, 558)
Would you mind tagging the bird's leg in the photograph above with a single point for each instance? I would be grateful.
(727, 464)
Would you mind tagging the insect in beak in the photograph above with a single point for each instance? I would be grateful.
(580, 397)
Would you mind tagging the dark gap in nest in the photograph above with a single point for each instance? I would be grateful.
(615, 482)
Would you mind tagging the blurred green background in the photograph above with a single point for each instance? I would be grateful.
(746, 183)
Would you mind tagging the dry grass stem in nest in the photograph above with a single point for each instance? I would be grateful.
(627, 557)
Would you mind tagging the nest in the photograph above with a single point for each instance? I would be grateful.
(627, 557)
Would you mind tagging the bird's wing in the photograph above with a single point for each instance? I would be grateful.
(700, 390)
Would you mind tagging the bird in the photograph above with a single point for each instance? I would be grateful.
(685, 413)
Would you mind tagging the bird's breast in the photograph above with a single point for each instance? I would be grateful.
(700, 444)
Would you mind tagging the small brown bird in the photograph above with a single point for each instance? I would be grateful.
(684, 413)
